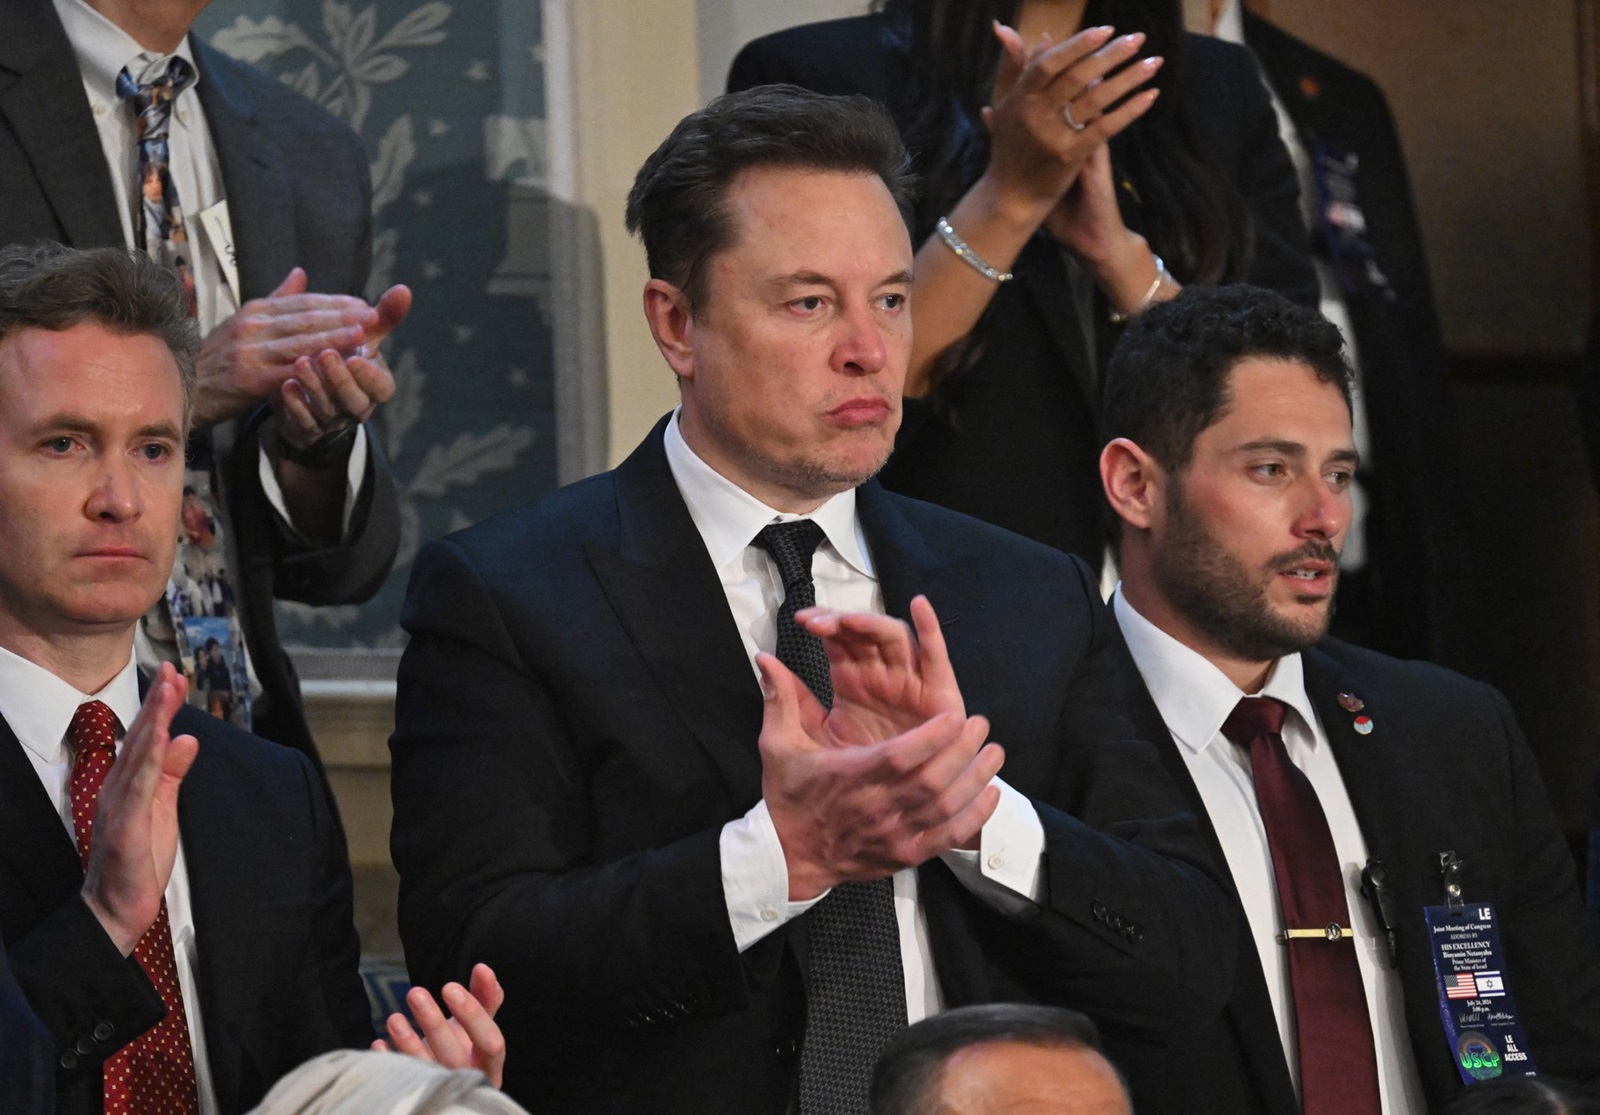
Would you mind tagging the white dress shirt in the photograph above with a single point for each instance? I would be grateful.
(755, 877)
(39, 707)
(103, 50)
(1195, 698)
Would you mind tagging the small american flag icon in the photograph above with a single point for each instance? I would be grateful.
(1461, 987)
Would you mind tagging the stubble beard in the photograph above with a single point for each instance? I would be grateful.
(1227, 601)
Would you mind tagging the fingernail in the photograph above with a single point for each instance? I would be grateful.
(454, 993)
(1153, 62)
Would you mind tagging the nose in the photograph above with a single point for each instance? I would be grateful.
(115, 494)
(1326, 511)
(860, 349)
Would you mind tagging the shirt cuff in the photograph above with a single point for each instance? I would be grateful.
(355, 473)
(1007, 869)
(755, 877)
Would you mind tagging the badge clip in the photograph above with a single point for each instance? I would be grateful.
(1375, 888)
(1450, 868)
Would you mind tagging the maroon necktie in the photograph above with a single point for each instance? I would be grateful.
(153, 1073)
(1338, 1064)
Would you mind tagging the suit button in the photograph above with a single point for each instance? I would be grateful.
(1136, 933)
(103, 1031)
(85, 1046)
(69, 1060)
(1099, 911)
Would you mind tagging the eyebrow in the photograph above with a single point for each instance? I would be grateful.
(1295, 448)
(816, 278)
(77, 424)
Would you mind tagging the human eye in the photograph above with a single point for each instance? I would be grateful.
(1340, 478)
(58, 446)
(155, 452)
(809, 303)
(1269, 470)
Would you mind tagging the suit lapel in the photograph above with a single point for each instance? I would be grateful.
(255, 176)
(668, 597)
(42, 97)
(34, 845)
(904, 562)
(1370, 778)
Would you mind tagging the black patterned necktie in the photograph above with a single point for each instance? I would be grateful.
(1338, 1064)
(855, 982)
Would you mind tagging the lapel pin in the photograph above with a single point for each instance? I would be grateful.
(1351, 703)
(1363, 725)
(1310, 87)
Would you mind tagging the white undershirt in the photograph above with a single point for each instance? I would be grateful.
(755, 878)
(39, 706)
(1195, 698)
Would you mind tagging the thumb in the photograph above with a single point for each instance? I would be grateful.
(1013, 57)
(393, 306)
(293, 283)
(786, 696)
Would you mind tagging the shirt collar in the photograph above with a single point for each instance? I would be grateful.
(1230, 23)
(39, 706)
(1192, 695)
(103, 49)
(729, 518)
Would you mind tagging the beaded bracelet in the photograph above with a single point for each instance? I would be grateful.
(972, 258)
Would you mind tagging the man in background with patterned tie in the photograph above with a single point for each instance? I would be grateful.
(183, 952)
(1333, 779)
(118, 128)
(700, 901)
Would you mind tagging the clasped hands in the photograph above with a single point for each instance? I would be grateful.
(894, 774)
(1060, 173)
(136, 844)
(313, 357)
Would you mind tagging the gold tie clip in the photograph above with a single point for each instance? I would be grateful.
(1331, 932)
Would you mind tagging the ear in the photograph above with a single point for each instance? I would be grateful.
(666, 309)
(1132, 480)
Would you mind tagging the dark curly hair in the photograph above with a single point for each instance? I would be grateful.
(1167, 379)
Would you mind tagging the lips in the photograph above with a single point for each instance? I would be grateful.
(863, 410)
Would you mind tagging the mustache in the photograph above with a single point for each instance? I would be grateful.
(1314, 550)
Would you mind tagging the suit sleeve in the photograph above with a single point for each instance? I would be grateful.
(91, 999)
(349, 572)
(26, 1077)
(1140, 929)
(499, 856)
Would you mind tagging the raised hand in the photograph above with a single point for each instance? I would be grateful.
(854, 813)
(468, 1039)
(136, 818)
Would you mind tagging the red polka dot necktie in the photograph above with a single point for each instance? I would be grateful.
(154, 1073)
(1338, 1063)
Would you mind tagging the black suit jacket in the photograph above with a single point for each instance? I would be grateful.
(269, 882)
(1414, 503)
(1445, 768)
(27, 1073)
(577, 720)
(298, 194)
(1013, 439)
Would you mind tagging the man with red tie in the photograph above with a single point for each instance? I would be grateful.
(182, 949)
(1414, 917)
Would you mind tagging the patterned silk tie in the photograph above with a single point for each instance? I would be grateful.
(154, 1073)
(855, 983)
(200, 602)
(1338, 1064)
(160, 228)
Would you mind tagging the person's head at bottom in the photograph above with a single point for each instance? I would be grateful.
(1015, 1058)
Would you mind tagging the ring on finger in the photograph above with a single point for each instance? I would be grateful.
(1072, 121)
